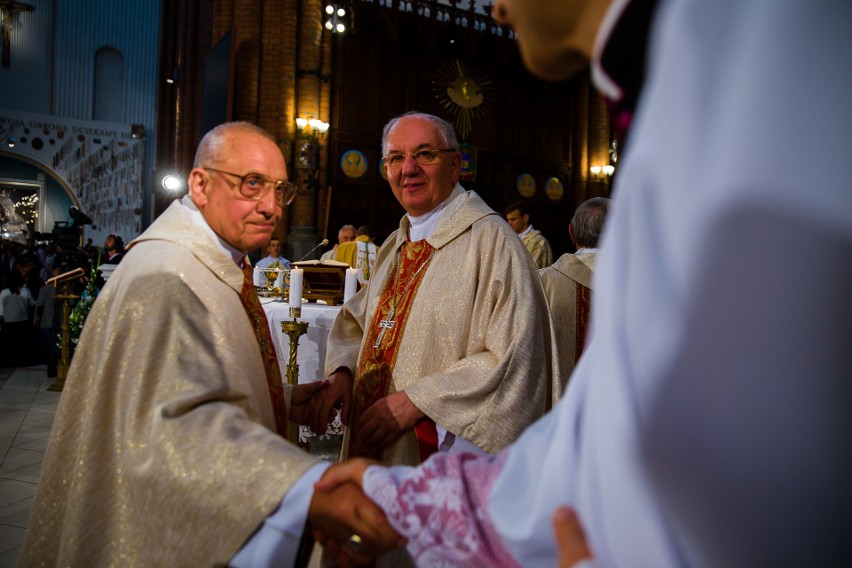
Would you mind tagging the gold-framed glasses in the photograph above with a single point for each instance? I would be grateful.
(254, 187)
(394, 160)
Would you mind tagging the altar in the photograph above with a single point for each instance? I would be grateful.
(312, 345)
(310, 357)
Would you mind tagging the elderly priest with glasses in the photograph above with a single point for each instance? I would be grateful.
(168, 445)
(448, 345)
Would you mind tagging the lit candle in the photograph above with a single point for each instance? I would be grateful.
(351, 284)
(279, 282)
(296, 276)
(255, 276)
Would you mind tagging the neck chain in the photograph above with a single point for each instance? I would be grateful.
(389, 322)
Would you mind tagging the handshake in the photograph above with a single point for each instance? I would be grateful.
(346, 522)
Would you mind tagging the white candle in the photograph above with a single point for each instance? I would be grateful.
(351, 284)
(255, 276)
(279, 282)
(296, 276)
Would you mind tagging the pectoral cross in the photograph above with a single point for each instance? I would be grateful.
(9, 8)
(385, 324)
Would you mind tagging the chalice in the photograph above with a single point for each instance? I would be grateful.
(270, 276)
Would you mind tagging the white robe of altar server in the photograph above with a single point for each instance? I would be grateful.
(708, 422)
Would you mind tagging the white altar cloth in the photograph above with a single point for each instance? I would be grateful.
(312, 345)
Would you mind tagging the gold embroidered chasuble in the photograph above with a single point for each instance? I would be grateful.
(360, 254)
(375, 366)
(476, 354)
(163, 450)
(560, 282)
(539, 248)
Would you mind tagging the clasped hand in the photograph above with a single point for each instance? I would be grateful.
(386, 420)
(380, 425)
(314, 404)
(339, 509)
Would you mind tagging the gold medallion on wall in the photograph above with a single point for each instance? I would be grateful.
(465, 93)
(353, 163)
(554, 189)
(525, 184)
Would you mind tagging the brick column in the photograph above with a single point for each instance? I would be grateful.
(309, 89)
(276, 103)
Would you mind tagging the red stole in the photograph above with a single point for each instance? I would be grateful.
(584, 300)
(255, 313)
(378, 356)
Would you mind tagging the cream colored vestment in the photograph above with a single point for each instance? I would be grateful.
(538, 248)
(476, 354)
(163, 450)
(560, 287)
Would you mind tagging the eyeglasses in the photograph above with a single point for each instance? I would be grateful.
(395, 160)
(254, 186)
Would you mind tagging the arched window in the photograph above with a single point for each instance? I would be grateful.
(109, 85)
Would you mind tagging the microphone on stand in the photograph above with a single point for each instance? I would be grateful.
(310, 252)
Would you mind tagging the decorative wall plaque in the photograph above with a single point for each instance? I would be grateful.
(525, 185)
(554, 189)
(464, 93)
(353, 163)
(468, 162)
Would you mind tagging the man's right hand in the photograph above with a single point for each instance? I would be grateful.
(345, 511)
(338, 392)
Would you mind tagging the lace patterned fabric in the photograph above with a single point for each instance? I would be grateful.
(441, 507)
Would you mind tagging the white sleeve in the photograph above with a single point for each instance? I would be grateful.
(277, 540)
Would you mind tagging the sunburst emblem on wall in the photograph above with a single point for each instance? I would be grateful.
(467, 94)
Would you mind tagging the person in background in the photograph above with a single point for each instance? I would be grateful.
(45, 321)
(518, 217)
(568, 282)
(16, 337)
(113, 250)
(49, 259)
(274, 258)
(359, 254)
(347, 233)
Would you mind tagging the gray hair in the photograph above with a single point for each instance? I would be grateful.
(588, 221)
(444, 128)
(211, 145)
(347, 228)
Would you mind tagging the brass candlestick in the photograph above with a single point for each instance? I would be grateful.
(294, 329)
(66, 295)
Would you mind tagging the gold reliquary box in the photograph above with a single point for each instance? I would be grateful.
(323, 280)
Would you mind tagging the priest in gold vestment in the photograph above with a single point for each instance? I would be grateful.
(449, 343)
(167, 446)
(568, 283)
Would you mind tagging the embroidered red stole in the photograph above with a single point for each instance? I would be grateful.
(584, 300)
(378, 357)
(255, 313)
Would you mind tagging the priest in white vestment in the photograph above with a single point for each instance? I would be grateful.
(449, 342)
(167, 446)
(568, 283)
